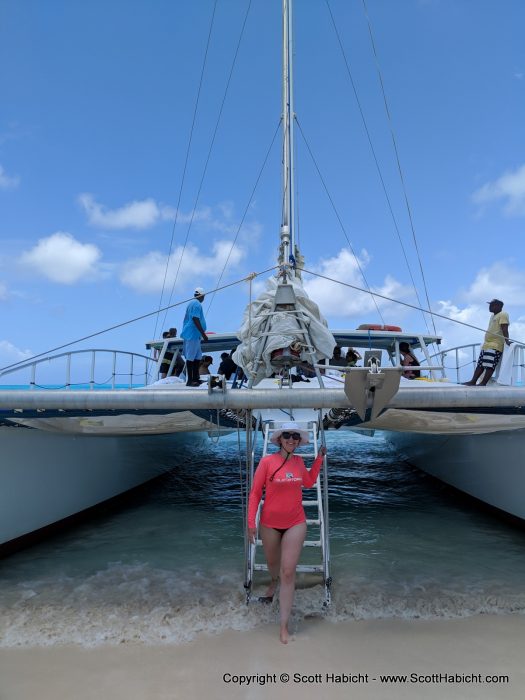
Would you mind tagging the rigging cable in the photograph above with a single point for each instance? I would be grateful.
(185, 167)
(296, 171)
(340, 221)
(401, 303)
(383, 185)
(194, 208)
(133, 320)
(297, 204)
(400, 170)
(259, 175)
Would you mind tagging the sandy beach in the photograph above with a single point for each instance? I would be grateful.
(441, 659)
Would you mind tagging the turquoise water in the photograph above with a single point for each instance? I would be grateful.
(169, 564)
(79, 387)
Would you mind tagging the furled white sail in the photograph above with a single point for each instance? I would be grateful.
(267, 328)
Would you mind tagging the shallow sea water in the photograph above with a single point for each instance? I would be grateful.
(169, 563)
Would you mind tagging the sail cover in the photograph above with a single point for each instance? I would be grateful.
(268, 328)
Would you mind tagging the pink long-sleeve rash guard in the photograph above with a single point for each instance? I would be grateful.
(283, 502)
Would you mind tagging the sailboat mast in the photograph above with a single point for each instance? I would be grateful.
(287, 224)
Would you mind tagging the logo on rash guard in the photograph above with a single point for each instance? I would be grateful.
(287, 478)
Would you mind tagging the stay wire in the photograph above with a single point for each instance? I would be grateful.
(185, 167)
(201, 183)
(400, 303)
(133, 320)
(376, 161)
(297, 202)
(338, 218)
(259, 175)
(398, 161)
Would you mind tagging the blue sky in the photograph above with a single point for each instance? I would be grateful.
(97, 105)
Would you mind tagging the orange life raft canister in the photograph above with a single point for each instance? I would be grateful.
(374, 327)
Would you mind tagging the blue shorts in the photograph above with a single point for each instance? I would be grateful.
(191, 349)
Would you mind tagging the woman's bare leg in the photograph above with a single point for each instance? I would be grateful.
(291, 547)
(271, 540)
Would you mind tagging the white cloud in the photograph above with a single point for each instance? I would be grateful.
(454, 330)
(8, 182)
(3, 291)
(517, 328)
(509, 189)
(500, 281)
(63, 259)
(146, 274)
(147, 213)
(139, 215)
(9, 353)
(341, 301)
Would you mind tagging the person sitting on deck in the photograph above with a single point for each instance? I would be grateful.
(178, 367)
(227, 366)
(337, 359)
(205, 363)
(408, 359)
(352, 356)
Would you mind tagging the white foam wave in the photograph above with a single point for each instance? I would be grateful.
(137, 604)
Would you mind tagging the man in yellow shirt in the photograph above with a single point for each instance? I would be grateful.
(492, 349)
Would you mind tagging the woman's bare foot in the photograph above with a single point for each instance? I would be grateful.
(284, 636)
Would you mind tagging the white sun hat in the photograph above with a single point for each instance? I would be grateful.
(199, 292)
(289, 428)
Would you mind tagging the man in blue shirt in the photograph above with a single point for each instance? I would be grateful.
(193, 331)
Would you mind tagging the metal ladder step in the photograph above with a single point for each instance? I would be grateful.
(310, 568)
(301, 568)
(306, 543)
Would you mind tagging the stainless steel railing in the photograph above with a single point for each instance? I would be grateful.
(118, 367)
(466, 357)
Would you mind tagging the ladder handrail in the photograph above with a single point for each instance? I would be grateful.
(326, 521)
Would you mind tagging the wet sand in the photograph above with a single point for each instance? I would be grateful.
(324, 660)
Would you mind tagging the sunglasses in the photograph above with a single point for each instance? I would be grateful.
(294, 436)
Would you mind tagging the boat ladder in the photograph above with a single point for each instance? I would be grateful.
(316, 509)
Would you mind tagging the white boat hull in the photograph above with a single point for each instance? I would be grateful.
(489, 467)
(47, 477)
(123, 425)
(446, 423)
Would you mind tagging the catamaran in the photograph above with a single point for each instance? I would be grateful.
(66, 450)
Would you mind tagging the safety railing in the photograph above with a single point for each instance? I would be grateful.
(115, 369)
(465, 358)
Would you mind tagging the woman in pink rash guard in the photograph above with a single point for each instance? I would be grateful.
(283, 522)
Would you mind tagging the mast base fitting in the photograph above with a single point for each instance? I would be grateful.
(285, 357)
